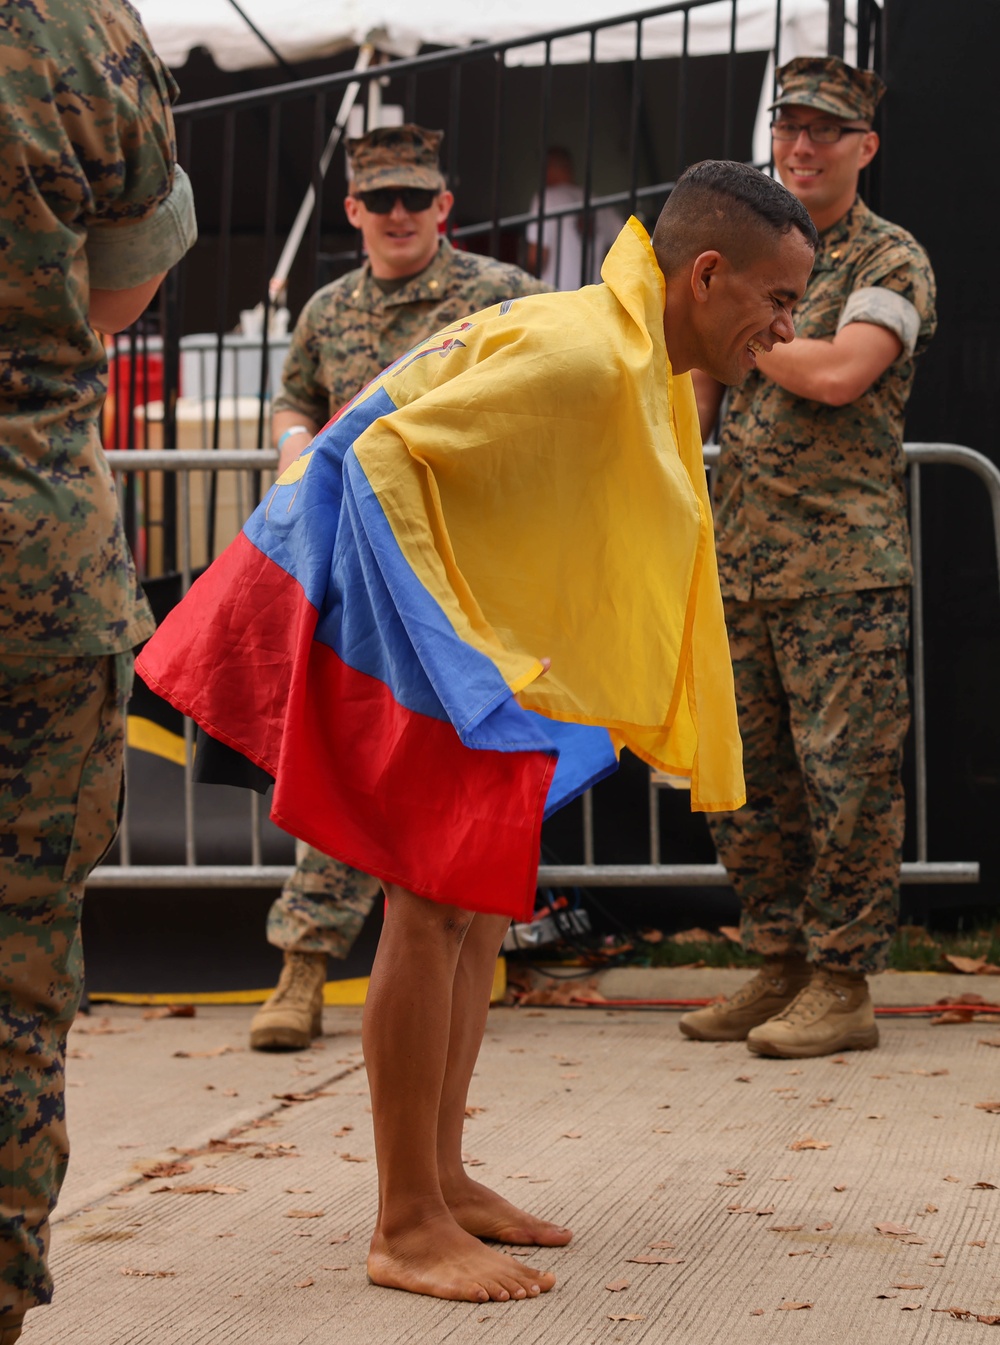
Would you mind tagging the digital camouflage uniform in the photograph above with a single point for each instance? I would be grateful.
(347, 333)
(88, 195)
(814, 561)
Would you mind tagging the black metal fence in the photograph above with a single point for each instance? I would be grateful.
(634, 99)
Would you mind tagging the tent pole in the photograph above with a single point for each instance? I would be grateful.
(276, 285)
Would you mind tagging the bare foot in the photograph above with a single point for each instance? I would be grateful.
(485, 1214)
(441, 1259)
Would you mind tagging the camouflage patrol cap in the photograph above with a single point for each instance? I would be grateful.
(829, 84)
(395, 156)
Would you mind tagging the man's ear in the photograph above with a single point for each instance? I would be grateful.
(351, 211)
(704, 271)
(869, 148)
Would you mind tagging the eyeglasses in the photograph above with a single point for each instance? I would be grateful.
(381, 201)
(819, 132)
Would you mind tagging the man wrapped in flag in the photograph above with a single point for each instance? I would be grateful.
(491, 571)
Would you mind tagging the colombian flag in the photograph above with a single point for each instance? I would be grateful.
(525, 485)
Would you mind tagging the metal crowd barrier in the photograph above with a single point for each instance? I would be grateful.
(258, 464)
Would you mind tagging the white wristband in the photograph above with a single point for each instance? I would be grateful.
(295, 429)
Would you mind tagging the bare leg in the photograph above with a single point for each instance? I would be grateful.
(476, 1208)
(417, 1243)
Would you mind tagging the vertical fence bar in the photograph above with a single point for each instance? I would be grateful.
(682, 97)
(588, 262)
(588, 827)
(499, 92)
(919, 680)
(635, 112)
(543, 146)
(836, 18)
(730, 103)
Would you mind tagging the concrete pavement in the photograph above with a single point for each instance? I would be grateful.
(710, 1191)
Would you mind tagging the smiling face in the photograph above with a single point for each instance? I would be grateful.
(739, 312)
(403, 242)
(823, 177)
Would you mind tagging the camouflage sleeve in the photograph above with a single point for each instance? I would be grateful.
(899, 266)
(121, 256)
(120, 121)
(301, 389)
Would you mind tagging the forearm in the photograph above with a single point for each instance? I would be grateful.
(302, 428)
(835, 372)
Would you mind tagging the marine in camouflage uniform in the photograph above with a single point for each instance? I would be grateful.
(92, 211)
(346, 334)
(814, 562)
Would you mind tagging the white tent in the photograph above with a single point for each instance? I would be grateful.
(313, 29)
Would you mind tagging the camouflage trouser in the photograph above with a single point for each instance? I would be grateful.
(814, 853)
(62, 733)
(322, 906)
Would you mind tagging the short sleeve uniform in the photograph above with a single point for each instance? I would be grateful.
(810, 498)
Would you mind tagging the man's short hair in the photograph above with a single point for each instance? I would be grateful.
(729, 207)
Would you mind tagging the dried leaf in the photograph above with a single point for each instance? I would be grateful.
(354, 1158)
(908, 1284)
(303, 1097)
(572, 1135)
(980, 1243)
(339, 1237)
(756, 1312)
(474, 1111)
(993, 1107)
(792, 1307)
(171, 1011)
(744, 1078)
(982, 1186)
(807, 1142)
(662, 1246)
(304, 1214)
(626, 1317)
(887, 1295)
(616, 1286)
(823, 1228)
(952, 1179)
(306, 1283)
(786, 1228)
(213, 1189)
(910, 1307)
(149, 1274)
(168, 1169)
(342, 1132)
(889, 1230)
(987, 1041)
(972, 966)
(335, 1267)
(655, 1260)
(840, 1188)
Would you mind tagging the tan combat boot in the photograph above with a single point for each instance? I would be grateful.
(775, 985)
(293, 1014)
(833, 1013)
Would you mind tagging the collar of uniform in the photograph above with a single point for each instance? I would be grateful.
(429, 284)
(834, 243)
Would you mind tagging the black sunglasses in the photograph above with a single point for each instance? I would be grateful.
(381, 201)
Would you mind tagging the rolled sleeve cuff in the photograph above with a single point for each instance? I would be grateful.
(884, 308)
(122, 256)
